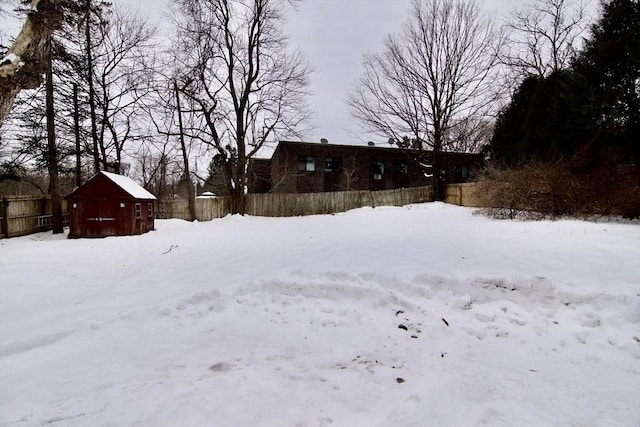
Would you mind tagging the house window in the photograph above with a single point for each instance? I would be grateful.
(464, 173)
(306, 164)
(138, 210)
(377, 167)
(333, 164)
(401, 168)
(149, 210)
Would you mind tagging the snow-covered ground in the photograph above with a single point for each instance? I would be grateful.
(425, 315)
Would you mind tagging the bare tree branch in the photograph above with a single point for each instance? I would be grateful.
(543, 36)
(437, 72)
(235, 68)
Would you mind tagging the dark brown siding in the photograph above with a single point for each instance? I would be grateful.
(259, 176)
(356, 171)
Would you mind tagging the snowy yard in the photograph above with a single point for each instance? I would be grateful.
(425, 315)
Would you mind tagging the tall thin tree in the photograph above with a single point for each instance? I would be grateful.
(91, 88)
(52, 151)
(439, 70)
(185, 156)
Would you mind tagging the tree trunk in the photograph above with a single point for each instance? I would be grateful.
(240, 182)
(52, 151)
(92, 101)
(23, 67)
(238, 204)
(76, 131)
(190, 191)
(437, 179)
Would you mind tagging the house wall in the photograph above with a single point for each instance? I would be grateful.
(355, 172)
(259, 176)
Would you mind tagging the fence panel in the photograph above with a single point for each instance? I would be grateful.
(211, 208)
(296, 204)
(467, 194)
(22, 215)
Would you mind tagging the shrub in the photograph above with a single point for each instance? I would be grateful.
(539, 190)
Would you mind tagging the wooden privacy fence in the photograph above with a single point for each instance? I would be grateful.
(467, 194)
(206, 208)
(22, 215)
(295, 204)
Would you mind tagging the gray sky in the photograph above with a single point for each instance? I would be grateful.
(335, 34)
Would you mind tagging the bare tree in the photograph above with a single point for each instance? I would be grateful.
(283, 175)
(121, 68)
(350, 175)
(242, 79)
(25, 64)
(154, 163)
(542, 36)
(177, 124)
(437, 71)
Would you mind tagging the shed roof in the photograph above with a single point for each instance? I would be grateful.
(129, 185)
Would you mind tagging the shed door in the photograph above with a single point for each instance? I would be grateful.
(100, 217)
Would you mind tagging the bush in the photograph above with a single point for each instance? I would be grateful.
(539, 190)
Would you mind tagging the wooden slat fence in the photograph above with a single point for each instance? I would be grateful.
(295, 204)
(22, 215)
(326, 203)
(206, 208)
(467, 194)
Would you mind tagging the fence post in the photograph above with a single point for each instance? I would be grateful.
(5, 217)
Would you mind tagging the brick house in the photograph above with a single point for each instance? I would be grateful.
(303, 167)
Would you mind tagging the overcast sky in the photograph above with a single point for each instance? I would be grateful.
(335, 34)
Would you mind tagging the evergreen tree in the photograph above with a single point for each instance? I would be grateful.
(590, 111)
(611, 64)
(29, 112)
(546, 120)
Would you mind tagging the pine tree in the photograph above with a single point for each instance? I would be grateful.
(611, 64)
(545, 121)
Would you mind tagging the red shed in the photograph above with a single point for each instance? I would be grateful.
(110, 205)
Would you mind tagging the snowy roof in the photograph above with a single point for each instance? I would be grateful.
(129, 185)
(206, 195)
